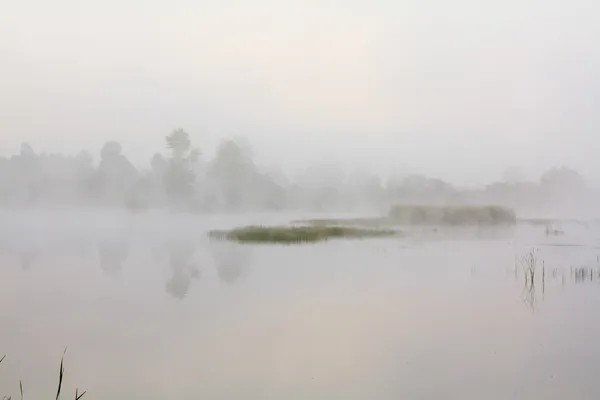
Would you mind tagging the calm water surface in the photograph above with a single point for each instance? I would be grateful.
(150, 309)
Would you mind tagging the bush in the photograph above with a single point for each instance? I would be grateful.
(452, 215)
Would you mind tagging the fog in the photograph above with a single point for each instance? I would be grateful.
(180, 177)
(130, 129)
(457, 91)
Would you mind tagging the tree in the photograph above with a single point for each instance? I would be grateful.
(563, 178)
(230, 162)
(233, 170)
(116, 175)
(179, 176)
(84, 160)
(158, 165)
(179, 143)
(110, 151)
(27, 150)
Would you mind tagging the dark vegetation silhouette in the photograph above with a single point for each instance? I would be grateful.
(183, 178)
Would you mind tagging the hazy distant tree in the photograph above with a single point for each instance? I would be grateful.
(116, 175)
(232, 168)
(27, 178)
(110, 151)
(230, 162)
(158, 164)
(179, 177)
(84, 160)
(364, 188)
(179, 181)
(5, 180)
(84, 170)
(27, 150)
(562, 178)
(179, 143)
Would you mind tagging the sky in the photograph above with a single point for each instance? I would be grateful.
(458, 90)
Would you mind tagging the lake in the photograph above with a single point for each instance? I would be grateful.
(151, 309)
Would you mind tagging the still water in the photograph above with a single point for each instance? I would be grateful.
(150, 309)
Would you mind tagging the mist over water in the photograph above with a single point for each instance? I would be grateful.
(116, 263)
(149, 307)
(299, 200)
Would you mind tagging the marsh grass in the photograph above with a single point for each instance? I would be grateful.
(61, 374)
(452, 215)
(297, 234)
(529, 263)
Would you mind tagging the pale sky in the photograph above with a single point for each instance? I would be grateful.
(456, 89)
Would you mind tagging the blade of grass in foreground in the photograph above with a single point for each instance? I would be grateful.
(78, 396)
(60, 376)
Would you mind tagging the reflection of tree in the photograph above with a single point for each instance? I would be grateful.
(27, 258)
(112, 255)
(230, 260)
(181, 254)
(181, 263)
(179, 284)
(229, 273)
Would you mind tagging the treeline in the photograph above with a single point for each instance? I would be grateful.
(182, 178)
(179, 179)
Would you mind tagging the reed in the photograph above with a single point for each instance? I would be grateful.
(61, 375)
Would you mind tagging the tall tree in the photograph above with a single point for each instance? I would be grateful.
(179, 177)
(233, 171)
(179, 143)
(116, 175)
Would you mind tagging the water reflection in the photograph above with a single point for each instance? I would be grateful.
(585, 274)
(179, 284)
(182, 254)
(340, 320)
(528, 295)
(112, 255)
(27, 258)
(181, 262)
(230, 261)
(535, 275)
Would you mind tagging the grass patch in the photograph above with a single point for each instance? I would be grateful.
(297, 234)
(452, 215)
